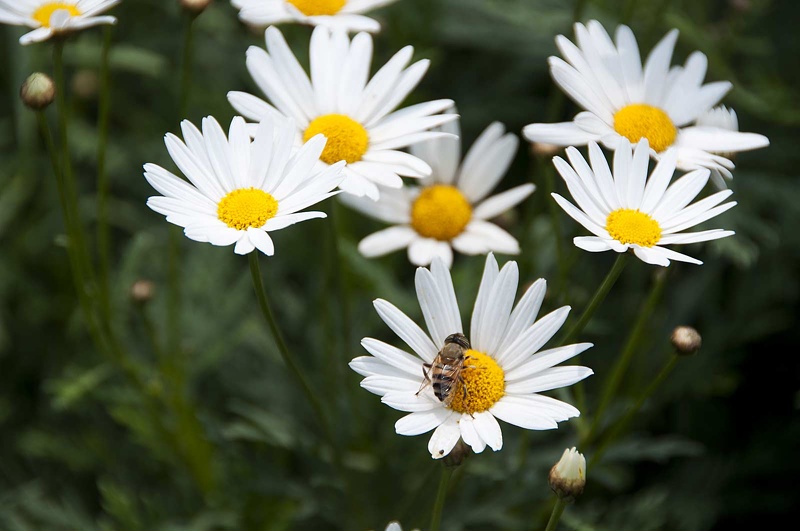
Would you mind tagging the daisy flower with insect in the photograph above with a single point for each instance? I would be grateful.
(358, 117)
(239, 189)
(50, 19)
(627, 209)
(625, 101)
(346, 15)
(450, 209)
(503, 373)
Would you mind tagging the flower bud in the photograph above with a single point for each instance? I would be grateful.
(38, 91)
(195, 7)
(686, 340)
(543, 149)
(142, 291)
(568, 476)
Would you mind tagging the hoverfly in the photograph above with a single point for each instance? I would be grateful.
(445, 371)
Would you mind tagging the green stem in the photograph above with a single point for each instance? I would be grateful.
(174, 284)
(615, 378)
(75, 229)
(441, 495)
(103, 233)
(597, 299)
(555, 516)
(342, 292)
(297, 372)
(615, 431)
(555, 220)
(186, 66)
(197, 454)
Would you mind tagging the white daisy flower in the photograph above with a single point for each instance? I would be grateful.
(721, 118)
(240, 189)
(503, 371)
(624, 100)
(449, 210)
(628, 210)
(355, 115)
(344, 15)
(49, 19)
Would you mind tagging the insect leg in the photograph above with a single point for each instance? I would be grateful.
(426, 369)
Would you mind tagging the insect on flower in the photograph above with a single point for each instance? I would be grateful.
(444, 373)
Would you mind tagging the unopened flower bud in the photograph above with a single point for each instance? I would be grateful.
(568, 476)
(142, 291)
(85, 84)
(38, 91)
(686, 340)
(457, 455)
(195, 7)
(543, 149)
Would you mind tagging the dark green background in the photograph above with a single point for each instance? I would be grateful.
(237, 448)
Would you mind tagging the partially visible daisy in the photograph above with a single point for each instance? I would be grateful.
(629, 210)
(49, 19)
(336, 14)
(358, 117)
(240, 189)
(720, 117)
(503, 374)
(449, 210)
(625, 101)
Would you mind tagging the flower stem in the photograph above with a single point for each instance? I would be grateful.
(342, 296)
(67, 177)
(555, 221)
(103, 233)
(266, 310)
(441, 495)
(597, 299)
(615, 431)
(555, 516)
(174, 284)
(615, 378)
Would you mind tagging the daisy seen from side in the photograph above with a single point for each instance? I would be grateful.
(627, 209)
(504, 370)
(450, 209)
(624, 100)
(346, 15)
(239, 189)
(49, 19)
(356, 115)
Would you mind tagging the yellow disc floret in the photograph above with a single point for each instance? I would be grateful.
(481, 385)
(639, 120)
(314, 8)
(632, 226)
(247, 207)
(45, 11)
(440, 211)
(347, 139)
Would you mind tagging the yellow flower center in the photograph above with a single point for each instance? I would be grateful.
(45, 11)
(440, 211)
(347, 139)
(631, 226)
(482, 384)
(247, 207)
(313, 8)
(639, 120)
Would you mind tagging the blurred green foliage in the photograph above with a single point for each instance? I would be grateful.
(217, 437)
